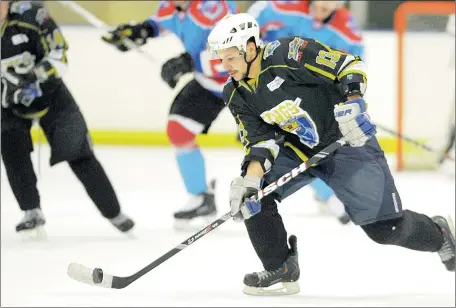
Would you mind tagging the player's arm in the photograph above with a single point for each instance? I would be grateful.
(137, 32)
(261, 150)
(317, 62)
(330, 66)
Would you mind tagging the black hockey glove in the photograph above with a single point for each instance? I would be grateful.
(174, 68)
(19, 88)
(136, 32)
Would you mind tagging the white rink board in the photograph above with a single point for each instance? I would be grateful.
(124, 91)
(340, 266)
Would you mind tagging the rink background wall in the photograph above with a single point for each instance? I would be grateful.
(125, 101)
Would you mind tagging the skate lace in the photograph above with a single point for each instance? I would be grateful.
(266, 274)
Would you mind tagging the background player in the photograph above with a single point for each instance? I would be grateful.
(198, 104)
(298, 96)
(33, 61)
(330, 23)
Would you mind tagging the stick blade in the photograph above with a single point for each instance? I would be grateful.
(85, 275)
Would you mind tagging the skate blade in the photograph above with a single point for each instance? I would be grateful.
(194, 224)
(34, 235)
(281, 288)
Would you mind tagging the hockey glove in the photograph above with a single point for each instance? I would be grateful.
(19, 88)
(174, 68)
(242, 188)
(136, 32)
(354, 122)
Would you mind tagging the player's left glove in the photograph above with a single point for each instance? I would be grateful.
(19, 88)
(354, 122)
(174, 68)
(242, 188)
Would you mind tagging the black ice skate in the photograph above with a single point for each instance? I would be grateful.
(122, 223)
(447, 252)
(199, 211)
(31, 226)
(282, 281)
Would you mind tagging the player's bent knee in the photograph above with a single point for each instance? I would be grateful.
(178, 135)
(388, 232)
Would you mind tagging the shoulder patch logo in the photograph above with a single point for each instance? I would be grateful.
(269, 49)
(295, 48)
(20, 7)
(275, 84)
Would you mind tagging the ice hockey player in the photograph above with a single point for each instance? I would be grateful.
(286, 100)
(198, 104)
(33, 61)
(326, 21)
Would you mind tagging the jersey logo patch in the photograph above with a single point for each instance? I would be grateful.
(293, 119)
(275, 84)
(296, 48)
(269, 49)
(19, 39)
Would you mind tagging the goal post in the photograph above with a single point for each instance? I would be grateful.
(425, 81)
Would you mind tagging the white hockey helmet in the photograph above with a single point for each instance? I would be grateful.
(234, 31)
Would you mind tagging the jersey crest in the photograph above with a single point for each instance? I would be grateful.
(269, 49)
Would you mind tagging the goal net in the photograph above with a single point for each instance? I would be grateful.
(425, 81)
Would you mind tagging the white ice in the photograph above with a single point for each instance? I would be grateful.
(340, 266)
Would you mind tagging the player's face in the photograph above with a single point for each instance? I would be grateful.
(233, 62)
(4, 10)
(321, 10)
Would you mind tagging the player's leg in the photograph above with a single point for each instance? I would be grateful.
(191, 114)
(66, 131)
(362, 180)
(327, 200)
(268, 235)
(16, 145)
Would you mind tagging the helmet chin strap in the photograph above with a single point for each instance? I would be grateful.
(249, 63)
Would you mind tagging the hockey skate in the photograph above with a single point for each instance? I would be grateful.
(447, 252)
(282, 281)
(123, 223)
(199, 211)
(31, 226)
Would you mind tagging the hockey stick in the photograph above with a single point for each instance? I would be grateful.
(416, 143)
(449, 145)
(93, 20)
(97, 277)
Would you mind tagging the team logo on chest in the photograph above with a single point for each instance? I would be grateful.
(293, 119)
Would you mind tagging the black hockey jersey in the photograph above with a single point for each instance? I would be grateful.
(293, 98)
(32, 40)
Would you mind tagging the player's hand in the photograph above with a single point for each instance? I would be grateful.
(136, 32)
(19, 88)
(242, 188)
(354, 122)
(174, 68)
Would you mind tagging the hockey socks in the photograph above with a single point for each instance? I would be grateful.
(193, 171)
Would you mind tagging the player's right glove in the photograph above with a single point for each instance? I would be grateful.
(136, 32)
(174, 68)
(354, 122)
(242, 188)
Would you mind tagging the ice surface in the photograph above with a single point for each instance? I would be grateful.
(340, 266)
